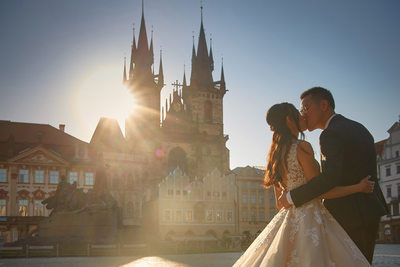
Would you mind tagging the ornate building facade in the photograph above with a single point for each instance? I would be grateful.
(388, 160)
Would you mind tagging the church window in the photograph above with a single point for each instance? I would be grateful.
(89, 178)
(73, 177)
(39, 176)
(189, 215)
(209, 215)
(38, 208)
(208, 111)
(229, 216)
(219, 216)
(54, 177)
(23, 176)
(3, 175)
(23, 207)
(3, 207)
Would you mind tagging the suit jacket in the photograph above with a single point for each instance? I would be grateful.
(347, 155)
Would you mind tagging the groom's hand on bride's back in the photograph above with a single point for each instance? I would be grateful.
(283, 200)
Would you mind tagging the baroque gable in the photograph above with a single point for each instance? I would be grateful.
(38, 155)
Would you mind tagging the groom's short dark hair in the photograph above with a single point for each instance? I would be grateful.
(320, 93)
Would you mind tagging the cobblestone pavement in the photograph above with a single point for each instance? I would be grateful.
(385, 256)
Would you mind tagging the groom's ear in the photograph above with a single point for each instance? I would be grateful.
(324, 105)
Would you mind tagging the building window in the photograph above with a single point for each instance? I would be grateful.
(395, 208)
(216, 194)
(167, 215)
(389, 191)
(219, 216)
(397, 154)
(244, 185)
(272, 200)
(244, 198)
(209, 215)
(224, 195)
(130, 209)
(23, 207)
(253, 215)
(244, 215)
(73, 177)
(388, 171)
(261, 215)
(170, 192)
(178, 216)
(3, 207)
(54, 177)
(39, 177)
(23, 176)
(253, 185)
(208, 195)
(178, 192)
(261, 198)
(89, 178)
(398, 191)
(253, 198)
(38, 208)
(3, 175)
(398, 169)
(189, 215)
(229, 216)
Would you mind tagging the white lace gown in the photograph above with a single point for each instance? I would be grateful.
(304, 236)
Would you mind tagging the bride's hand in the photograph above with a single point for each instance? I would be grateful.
(366, 186)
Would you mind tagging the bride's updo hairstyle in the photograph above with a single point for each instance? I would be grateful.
(282, 138)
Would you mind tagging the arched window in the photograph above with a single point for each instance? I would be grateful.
(177, 158)
(208, 111)
(129, 209)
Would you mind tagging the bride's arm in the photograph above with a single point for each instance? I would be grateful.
(278, 192)
(305, 156)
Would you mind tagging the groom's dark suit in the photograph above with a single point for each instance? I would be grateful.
(347, 156)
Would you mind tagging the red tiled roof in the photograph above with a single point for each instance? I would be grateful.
(379, 147)
(18, 136)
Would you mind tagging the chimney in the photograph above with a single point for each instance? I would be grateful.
(62, 127)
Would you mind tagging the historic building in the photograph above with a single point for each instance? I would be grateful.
(33, 159)
(388, 161)
(188, 131)
(256, 205)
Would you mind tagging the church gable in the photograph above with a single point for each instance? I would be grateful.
(38, 155)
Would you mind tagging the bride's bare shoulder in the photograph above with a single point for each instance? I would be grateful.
(305, 149)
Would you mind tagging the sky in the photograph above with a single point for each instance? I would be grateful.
(61, 62)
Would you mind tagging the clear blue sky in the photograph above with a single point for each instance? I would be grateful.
(61, 61)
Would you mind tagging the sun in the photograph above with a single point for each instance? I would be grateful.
(102, 94)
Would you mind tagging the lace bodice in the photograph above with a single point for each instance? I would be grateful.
(295, 175)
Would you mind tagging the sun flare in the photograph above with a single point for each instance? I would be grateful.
(101, 94)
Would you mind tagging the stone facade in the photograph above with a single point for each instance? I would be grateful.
(388, 160)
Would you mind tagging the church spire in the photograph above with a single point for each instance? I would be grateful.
(184, 76)
(161, 72)
(211, 56)
(151, 46)
(124, 74)
(133, 53)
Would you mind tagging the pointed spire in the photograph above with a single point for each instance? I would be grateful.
(142, 42)
(184, 76)
(124, 74)
(211, 56)
(222, 71)
(151, 46)
(161, 72)
(133, 53)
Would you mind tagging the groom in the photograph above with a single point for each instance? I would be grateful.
(347, 156)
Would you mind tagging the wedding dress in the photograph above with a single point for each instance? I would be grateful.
(303, 236)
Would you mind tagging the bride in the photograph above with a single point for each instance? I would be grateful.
(307, 235)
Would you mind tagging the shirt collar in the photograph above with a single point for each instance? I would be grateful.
(329, 120)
